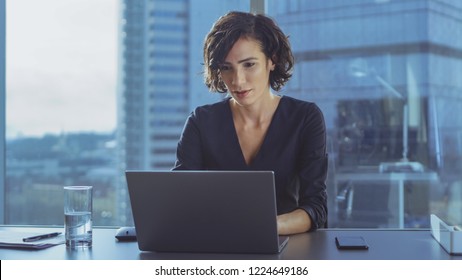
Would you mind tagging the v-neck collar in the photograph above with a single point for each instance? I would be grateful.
(237, 145)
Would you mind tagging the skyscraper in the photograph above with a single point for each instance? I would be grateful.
(383, 73)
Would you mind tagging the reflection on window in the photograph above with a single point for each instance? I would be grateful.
(383, 78)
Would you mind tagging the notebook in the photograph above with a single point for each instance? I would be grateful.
(205, 211)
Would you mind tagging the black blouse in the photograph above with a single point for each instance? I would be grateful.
(294, 148)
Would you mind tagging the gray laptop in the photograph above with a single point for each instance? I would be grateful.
(205, 211)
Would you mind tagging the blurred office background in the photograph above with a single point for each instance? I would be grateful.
(97, 87)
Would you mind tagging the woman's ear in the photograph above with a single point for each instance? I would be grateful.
(273, 62)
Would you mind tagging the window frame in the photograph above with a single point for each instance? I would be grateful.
(2, 108)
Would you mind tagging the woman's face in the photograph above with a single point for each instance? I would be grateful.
(246, 71)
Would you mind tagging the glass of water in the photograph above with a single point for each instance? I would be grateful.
(78, 216)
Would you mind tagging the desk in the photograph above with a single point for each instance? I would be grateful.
(320, 245)
(400, 178)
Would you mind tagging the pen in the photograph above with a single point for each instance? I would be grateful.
(40, 237)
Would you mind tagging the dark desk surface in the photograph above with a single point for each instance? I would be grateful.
(320, 245)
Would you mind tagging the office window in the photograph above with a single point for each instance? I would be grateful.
(61, 73)
(95, 88)
(384, 73)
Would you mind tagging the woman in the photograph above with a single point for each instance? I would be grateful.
(248, 56)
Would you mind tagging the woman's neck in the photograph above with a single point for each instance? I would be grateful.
(257, 113)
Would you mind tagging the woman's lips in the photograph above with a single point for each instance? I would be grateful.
(241, 93)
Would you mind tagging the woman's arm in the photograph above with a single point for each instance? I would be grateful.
(311, 211)
(188, 153)
(297, 221)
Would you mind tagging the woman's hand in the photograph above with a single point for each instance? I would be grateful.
(297, 221)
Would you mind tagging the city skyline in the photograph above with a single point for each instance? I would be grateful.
(160, 49)
(47, 48)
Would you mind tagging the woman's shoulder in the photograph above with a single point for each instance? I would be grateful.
(212, 112)
(294, 105)
(212, 108)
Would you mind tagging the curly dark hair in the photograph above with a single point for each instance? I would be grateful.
(231, 27)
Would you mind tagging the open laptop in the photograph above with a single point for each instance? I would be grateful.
(205, 211)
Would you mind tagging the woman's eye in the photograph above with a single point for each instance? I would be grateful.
(249, 64)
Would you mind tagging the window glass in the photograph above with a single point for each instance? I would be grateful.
(61, 73)
(98, 87)
(384, 74)
(95, 88)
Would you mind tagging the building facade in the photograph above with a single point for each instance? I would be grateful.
(384, 74)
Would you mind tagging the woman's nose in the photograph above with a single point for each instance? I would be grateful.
(238, 77)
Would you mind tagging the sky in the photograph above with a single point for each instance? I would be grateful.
(61, 66)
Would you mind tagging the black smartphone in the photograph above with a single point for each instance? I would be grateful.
(351, 243)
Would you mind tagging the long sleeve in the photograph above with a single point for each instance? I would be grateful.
(189, 151)
(313, 169)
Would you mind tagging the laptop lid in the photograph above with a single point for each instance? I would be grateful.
(205, 211)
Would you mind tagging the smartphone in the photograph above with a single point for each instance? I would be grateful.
(351, 243)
